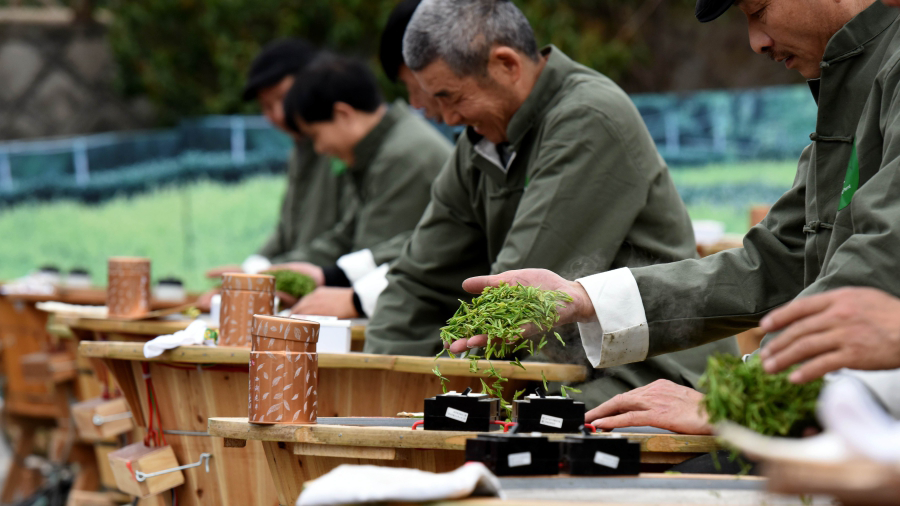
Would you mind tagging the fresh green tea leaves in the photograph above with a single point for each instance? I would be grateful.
(501, 313)
(744, 393)
(293, 283)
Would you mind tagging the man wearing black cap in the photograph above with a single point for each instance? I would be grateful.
(837, 226)
(317, 193)
(391, 55)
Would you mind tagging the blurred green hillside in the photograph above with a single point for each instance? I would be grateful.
(186, 230)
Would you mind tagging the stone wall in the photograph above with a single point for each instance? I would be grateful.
(56, 78)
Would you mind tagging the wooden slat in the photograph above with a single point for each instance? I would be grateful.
(399, 437)
(350, 452)
(419, 365)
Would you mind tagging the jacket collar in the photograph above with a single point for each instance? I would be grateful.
(366, 149)
(851, 39)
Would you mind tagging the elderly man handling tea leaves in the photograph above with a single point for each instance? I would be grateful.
(555, 170)
(836, 227)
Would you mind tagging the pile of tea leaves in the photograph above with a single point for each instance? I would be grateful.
(500, 312)
(293, 283)
(744, 393)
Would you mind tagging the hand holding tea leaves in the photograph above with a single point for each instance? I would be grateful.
(502, 312)
(577, 309)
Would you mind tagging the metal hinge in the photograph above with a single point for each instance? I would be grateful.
(204, 457)
(100, 420)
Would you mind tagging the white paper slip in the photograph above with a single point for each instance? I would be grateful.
(606, 460)
(519, 459)
(551, 421)
(455, 414)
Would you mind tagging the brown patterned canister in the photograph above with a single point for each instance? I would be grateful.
(128, 288)
(284, 371)
(243, 295)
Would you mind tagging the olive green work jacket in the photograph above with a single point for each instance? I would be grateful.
(394, 167)
(839, 225)
(585, 190)
(317, 195)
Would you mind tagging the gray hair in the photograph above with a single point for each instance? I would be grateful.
(463, 32)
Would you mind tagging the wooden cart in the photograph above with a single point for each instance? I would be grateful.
(194, 383)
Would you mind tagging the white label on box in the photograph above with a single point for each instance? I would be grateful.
(606, 460)
(551, 421)
(519, 459)
(455, 414)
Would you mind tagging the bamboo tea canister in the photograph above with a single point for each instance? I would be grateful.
(128, 288)
(284, 371)
(243, 295)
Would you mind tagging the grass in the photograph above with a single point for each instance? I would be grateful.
(189, 229)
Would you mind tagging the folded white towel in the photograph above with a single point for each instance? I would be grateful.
(349, 484)
(193, 334)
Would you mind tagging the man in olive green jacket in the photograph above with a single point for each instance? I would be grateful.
(317, 191)
(556, 170)
(392, 155)
(837, 226)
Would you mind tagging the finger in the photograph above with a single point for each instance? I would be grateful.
(458, 346)
(809, 325)
(477, 284)
(820, 366)
(803, 349)
(619, 404)
(629, 419)
(798, 308)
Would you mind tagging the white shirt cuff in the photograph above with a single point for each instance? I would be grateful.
(254, 264)
(622, 335)
(370, 287)
(357, 265)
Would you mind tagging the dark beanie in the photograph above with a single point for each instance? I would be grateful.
(277, 60)
(391, 52)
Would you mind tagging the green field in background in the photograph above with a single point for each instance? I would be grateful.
(189, 229)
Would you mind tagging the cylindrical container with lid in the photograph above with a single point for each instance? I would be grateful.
(128, 288)
(243, 295)
(284, 371)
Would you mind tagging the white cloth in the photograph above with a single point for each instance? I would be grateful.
(254, 264)
(855, 425)
(621, 336)
(193, 334)
(369, 287)
(847, 408)
(357, 265)
(348, 484)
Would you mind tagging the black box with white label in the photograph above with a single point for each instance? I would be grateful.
(555, 414)
(515, 454)
(461, 411)
(593, 455)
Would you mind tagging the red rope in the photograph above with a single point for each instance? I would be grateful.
(157, 438)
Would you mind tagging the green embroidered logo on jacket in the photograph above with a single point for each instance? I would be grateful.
(851, 181)
(338, 167)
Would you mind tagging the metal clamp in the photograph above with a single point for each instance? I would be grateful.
(140, 476)
(100, 420)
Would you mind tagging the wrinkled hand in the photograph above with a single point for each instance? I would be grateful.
(203, 302)
(857, 328)
(216, 272)
(328, 301)
(661, 404)
(311, 270)
(579, 310)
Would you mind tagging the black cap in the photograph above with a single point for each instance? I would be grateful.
(391, 52)
(708, 10)
(276, 61)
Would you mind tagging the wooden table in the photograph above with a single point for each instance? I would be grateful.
(195, 383)
(30, 405)
(298, 453)
(67, 325)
